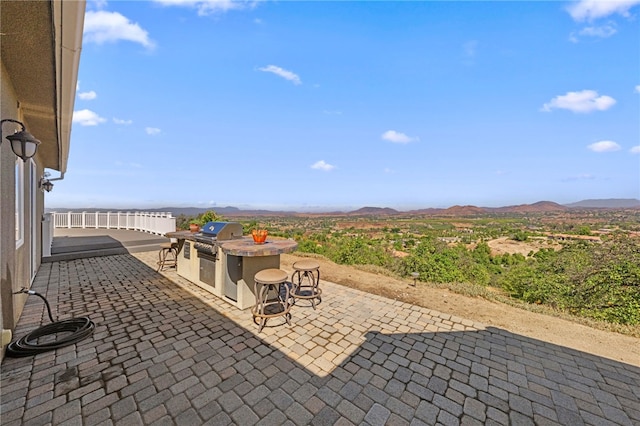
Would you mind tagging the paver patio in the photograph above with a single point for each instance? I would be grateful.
(167, 352)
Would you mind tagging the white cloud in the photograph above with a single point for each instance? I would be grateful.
(583, 102)
(121, 121)
(86, 117)
(398, 137)
(602, 31)
(604, 146)
(638, 88)
(287, 75)
(208, 7)
(387, 170)
(321, 165)
(589, 10)
(635, 149)
(87, 96)
(152, 130)
(103, 27)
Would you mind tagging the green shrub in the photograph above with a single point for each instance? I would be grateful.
(600, 281)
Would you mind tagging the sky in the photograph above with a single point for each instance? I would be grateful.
(325, 105)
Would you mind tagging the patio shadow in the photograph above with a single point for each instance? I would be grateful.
(163, 351)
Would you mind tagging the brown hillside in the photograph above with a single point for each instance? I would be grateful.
(464, 211)
(539, 207)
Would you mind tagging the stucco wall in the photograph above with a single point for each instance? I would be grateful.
(7, 222)
(41, 47)
(14, 262)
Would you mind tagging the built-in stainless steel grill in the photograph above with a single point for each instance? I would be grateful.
(206, 240)
(206, 245)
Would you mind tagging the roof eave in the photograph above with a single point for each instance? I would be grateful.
(68, 26)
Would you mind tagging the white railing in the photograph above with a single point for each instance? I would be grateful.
(152, 222)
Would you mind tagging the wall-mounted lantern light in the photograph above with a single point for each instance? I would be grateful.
(23, 144)
(45, 184)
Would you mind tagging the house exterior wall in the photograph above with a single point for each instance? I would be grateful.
(40, 48)
(8, 252)
(16, 261)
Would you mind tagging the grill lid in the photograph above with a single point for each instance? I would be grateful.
(222, 230)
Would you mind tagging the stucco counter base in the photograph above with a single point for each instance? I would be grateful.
(244, 259)
(237, 263)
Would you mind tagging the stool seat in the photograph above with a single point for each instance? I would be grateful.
(271, 276)
(269, 286)
(306, 265)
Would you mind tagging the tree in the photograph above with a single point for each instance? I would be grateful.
(210, 216)
(584, 230)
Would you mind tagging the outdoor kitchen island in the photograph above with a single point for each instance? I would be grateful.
(226, 265)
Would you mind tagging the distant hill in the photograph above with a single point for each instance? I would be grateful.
(429, 211)
(374, 211)
(195, 211)
(464, 211)
(539, 207)
(223, 211)
(610, 203)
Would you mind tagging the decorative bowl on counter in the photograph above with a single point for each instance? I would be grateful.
(194, 227)
(259, 235)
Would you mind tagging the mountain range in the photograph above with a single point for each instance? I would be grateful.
(539, 207)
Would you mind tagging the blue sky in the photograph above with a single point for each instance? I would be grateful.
(339, 105)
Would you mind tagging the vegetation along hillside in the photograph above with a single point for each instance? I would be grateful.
(581, 262)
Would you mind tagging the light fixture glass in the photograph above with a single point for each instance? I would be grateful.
(23, 144)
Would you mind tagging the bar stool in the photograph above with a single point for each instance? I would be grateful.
(167, 256)
(306, 280)
(269, 286)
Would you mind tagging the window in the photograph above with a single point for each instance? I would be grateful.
(19, 202)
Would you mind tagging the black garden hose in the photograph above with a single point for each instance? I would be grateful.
(51, 336)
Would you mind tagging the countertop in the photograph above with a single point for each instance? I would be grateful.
(245, 246)
(181, 235)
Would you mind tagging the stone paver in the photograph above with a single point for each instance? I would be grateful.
(167, 352)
